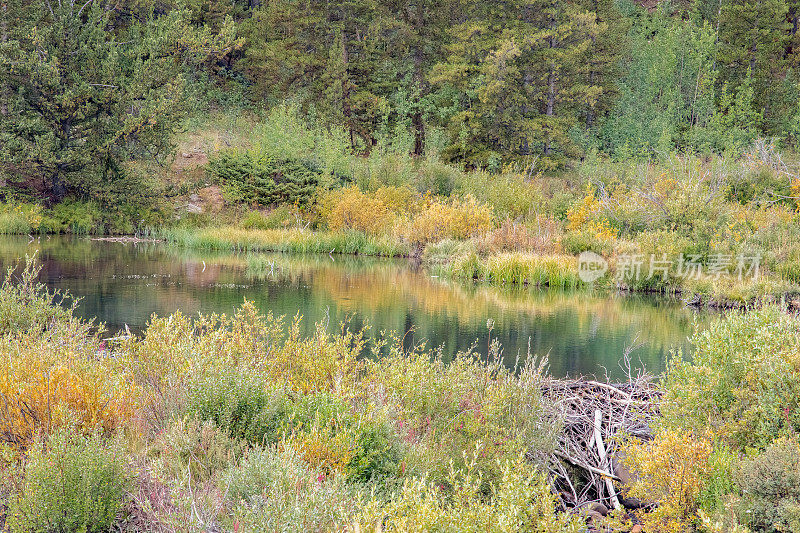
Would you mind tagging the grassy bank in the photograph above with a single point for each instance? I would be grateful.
(461, 260)
(230, 422)
(236, 239)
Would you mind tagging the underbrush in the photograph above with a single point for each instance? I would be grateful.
(240, 422)
(725, 453)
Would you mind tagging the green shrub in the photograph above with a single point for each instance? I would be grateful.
(286, 134)
(241, 405)
(13, 223)
(273, 489)
(790, 268)
(769, 488)
(71, 483)
(73, 216)
(510, 194)
(27, 304)
(521, 501)
(256, 178)
(743, 379)
(576, 242)
(282, 216)
(199, 448)
(437, 177)
(759, 186)
(324, 428)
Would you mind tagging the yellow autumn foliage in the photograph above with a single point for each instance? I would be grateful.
(440, 219)
(60, 378)
(670, 470)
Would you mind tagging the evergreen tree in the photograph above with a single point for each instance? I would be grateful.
(286, 49)
(83, 100)
(753, 39)
(527, 74)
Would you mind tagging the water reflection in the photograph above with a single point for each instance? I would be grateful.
(582, 332)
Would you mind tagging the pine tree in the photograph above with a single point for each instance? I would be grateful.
(528, 74)
(83, 100)
(286, 49)
(753, 39)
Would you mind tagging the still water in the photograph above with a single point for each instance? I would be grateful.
(581, 332)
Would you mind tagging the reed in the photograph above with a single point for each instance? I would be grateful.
(284, 240)
(516, 268)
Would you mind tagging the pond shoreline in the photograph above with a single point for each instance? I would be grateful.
(522, 268)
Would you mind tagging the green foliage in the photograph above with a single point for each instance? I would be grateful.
(260, 180)
(275, 489)
(575, 242)
(669, 85)
(753, 40)
(769, 488)
(79, 218)
(521, 501)
(511, 194)
(199, 448)
(759, 186)
(280, 217)
(741, 380)
(246, 409)
(71, 483)
(86, 99)
(242, 406)
(22, 217)
(734, 124)
(26, 304)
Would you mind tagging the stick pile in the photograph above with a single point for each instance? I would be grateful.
(594, 415)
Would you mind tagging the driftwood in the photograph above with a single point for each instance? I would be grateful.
(127, 239)
(595, 416)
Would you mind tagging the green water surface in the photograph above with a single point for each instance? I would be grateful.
(581, 332)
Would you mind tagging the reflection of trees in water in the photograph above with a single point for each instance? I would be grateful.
(126, 282)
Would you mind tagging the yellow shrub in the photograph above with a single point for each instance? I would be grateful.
(352, 209)
(440, 219)
(521, 501)
(324, 450)
(320, 362)
(671, 470)
(60, 379)
(583, 216)
(397, 199)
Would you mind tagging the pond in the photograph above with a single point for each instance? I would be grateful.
(581, 332)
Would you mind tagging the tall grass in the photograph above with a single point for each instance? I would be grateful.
(13, 223)
(290, 240)
(516, 268)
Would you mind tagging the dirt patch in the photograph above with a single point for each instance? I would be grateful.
(211, 198)
(190, 155)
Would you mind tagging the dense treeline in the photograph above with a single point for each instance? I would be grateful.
(87, 85)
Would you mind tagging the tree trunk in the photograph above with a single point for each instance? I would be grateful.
(417, 119)
(551, 101)
(346, 108)
(589, 107)
(58, 188)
